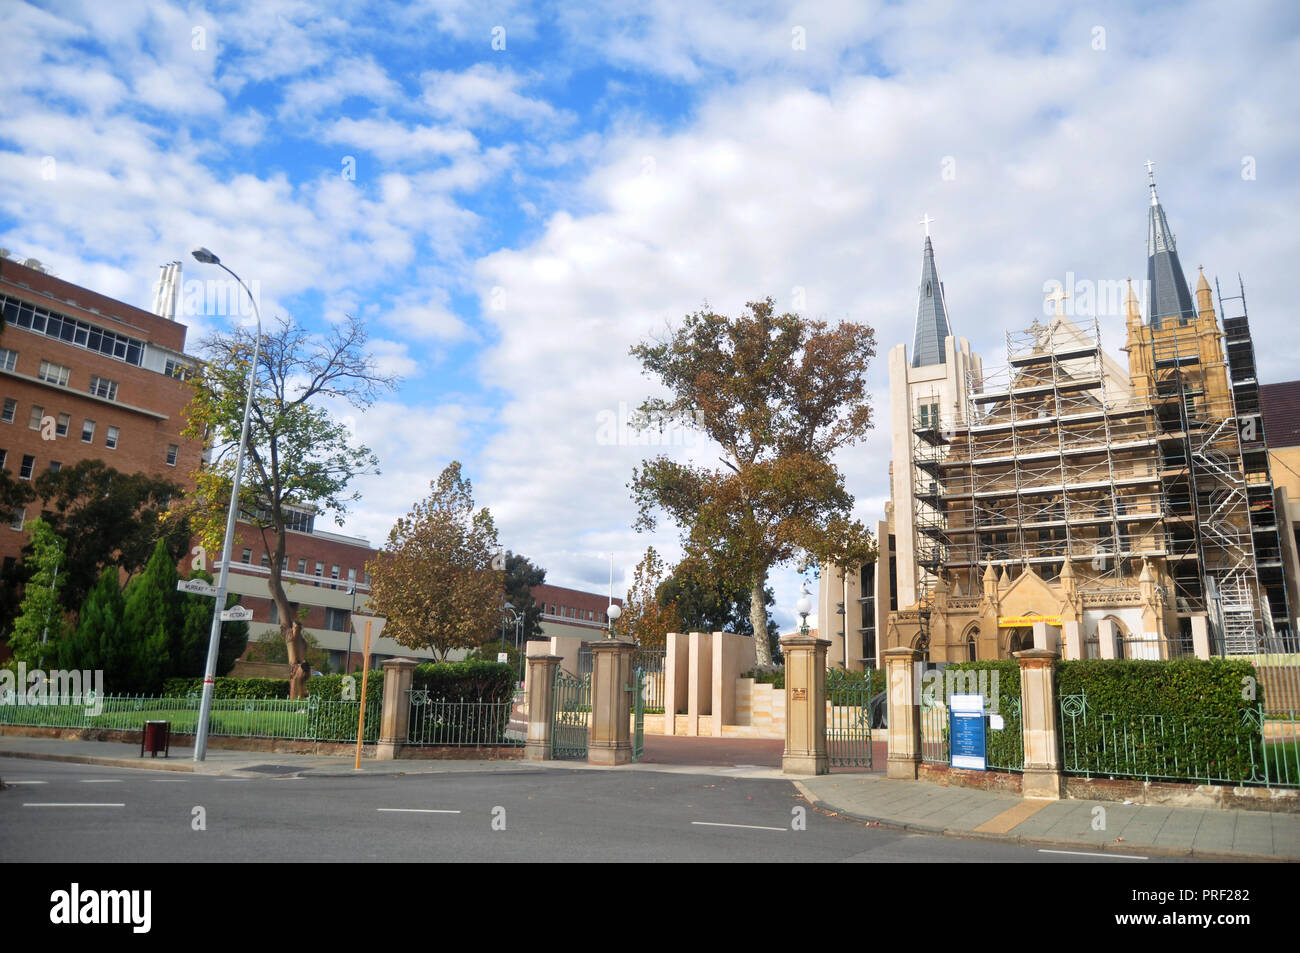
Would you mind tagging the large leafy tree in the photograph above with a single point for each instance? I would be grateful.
(41, 623)
(15, 494)
(298, 455)
(779, 394)
(521, 576)
(108, 518)
(435, 580)
(646, 618)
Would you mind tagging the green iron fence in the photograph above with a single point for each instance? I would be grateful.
(638, 713)
(1005, 746)
(438, 721)
(1255, 750)
(569, 720)
(848, 724)
(651, 663)
(306, 719)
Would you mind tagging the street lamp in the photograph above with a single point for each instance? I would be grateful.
(214, 639)
(508, 607)
(613, 612)
(803, 607)
(352, 591)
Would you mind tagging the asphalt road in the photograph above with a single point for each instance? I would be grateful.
(76, 813)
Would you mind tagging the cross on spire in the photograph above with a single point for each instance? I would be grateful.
(926, 222)
(1151, 180)
(1059, 295)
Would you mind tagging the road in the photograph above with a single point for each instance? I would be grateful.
(83, 813)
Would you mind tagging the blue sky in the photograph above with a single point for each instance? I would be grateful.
(512, 194)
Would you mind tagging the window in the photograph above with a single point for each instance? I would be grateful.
(177, 370)
(3, 454)
(284, 564)
(266, 560)
(34, 421)
(17, 517)
(172, 451)
(72, 331)
(302, 522)
(334, 572)
(110, 441)
(54, 373)
(29, 464)
(87, 431)
(11, 408)
(102, 387)
(336, 620)
(55, 466)
(8, 359)
(64, 422)
(320, 569)
(247, 556)
(302, 566)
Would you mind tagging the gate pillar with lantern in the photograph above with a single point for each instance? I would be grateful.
(611, 702)
(805, 705)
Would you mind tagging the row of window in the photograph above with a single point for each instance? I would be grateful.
(28, 464)
(73, 331)
(37, 420)
(58, 375)
(568, 612)
(246, 557)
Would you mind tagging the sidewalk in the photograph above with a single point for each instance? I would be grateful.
(1145, 829)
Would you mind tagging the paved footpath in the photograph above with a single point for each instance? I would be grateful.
(1144, 829)
(916, 806)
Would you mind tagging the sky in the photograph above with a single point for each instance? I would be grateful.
(512, 195)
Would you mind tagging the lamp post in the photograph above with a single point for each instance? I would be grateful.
(510, 608)
(612, 613)
(803, 607)
(214, 639)
(352, 590)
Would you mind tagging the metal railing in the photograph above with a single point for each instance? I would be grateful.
(307, 719)
(1256, 750)
(440, 722)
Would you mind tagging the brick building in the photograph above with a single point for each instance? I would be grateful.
(84, 376)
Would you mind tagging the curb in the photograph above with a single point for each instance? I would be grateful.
(1029, 840)
(151, 765)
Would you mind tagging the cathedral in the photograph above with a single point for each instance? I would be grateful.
(1066, 499)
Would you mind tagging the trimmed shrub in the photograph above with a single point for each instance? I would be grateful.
(229, 687)
(767, 676)
(466, 681)
(1181, 718)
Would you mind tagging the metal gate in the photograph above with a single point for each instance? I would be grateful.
(848, 720)
(638, 713)
(569, 720)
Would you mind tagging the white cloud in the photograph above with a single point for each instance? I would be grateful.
(482, 94)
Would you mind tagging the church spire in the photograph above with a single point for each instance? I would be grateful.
(1168, 302)
(931, 313)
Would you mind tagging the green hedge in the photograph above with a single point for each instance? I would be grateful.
(1006, 747)
(228, 687)
(767, 676)
(466, 681)
(1180, 719)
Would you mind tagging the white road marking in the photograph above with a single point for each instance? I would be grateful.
(1081, 853)
(412, 810)
(101, 780)
(53, 804)
(7, 783)
(170, 780)
(752, 827)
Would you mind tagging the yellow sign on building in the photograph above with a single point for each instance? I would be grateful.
(1019, 621)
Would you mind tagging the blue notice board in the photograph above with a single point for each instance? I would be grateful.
(966, 731)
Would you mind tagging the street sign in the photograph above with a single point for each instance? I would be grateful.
(196, 586)
(237, 614)
(503, 658)
(375, 622)
(966, 729)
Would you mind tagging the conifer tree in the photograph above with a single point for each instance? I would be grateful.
(149, 618)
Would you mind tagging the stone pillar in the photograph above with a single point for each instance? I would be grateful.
(676, 677)
(699, 691)
(541, 706)
(805, 705)
(1106, 639)
(904, 732)
(1046, 637)
(1074, 647)
(611, 702)
(397, 707)
(1201, 636)
(1042, 777)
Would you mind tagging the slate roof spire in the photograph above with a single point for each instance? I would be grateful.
(1169, 302)
(931, 312)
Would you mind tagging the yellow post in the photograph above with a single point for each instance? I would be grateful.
(361, 715)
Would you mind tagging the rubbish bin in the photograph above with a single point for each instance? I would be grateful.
(156, 737)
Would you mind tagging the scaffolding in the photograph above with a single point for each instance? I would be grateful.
(1042, 460)
(1265, 533)
(1211, 550)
